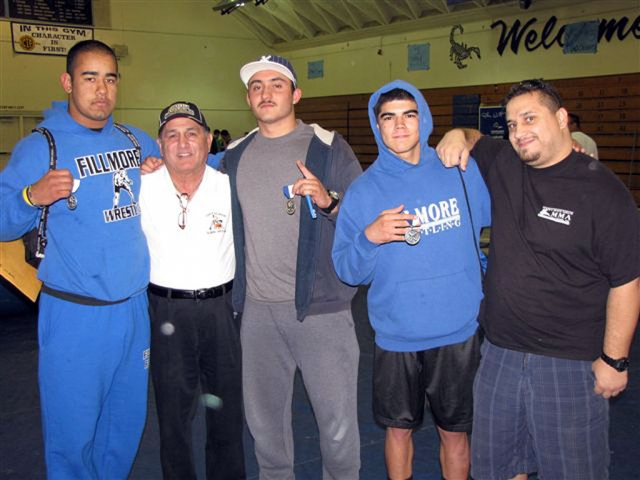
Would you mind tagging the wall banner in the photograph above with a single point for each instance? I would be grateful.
(315, 69)
(40, 39)
(493, 122)
(72, 12)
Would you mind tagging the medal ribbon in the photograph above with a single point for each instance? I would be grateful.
(287, 190)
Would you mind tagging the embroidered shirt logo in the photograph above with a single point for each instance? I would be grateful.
(557, 215)
(218, 223)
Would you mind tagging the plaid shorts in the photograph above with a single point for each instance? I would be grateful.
(537, 414)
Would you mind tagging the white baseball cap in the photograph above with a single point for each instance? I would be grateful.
(269, 62)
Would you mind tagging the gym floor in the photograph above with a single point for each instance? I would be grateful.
(21, 450)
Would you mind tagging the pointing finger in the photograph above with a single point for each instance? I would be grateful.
(306, 173)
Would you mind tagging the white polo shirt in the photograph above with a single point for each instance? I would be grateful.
(587, 142)
(201, 255)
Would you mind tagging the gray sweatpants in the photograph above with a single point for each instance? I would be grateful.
(325, 349)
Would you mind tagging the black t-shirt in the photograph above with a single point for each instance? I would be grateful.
(561, 237)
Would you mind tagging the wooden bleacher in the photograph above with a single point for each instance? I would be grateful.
(608, 106)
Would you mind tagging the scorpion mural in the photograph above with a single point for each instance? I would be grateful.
(460, 51)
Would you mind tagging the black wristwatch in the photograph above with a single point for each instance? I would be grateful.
(335, 199)
(620, 364)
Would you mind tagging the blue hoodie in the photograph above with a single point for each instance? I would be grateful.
(97, 250)
(427, 295)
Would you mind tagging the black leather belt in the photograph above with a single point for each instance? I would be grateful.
(200, 294)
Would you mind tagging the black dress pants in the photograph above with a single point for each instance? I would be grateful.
(195, 356)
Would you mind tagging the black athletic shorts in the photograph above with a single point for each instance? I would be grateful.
(444, 376)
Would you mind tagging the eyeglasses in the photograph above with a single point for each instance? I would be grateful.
(183, 198)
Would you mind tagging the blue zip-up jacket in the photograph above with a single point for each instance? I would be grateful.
(97, 250)
(318, 289)
(427, 295)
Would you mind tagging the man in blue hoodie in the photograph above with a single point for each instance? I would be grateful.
(93, 319)
(410, 228)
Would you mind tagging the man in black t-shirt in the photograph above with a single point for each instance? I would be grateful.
(562, 295)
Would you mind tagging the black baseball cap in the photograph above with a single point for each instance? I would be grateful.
(182, 109)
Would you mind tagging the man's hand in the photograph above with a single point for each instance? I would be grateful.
(609, 382)
(54, 185)
(577, 146)
(311, 186)
(623, 309)
(390, 226)
(150, 165)
(452, 149)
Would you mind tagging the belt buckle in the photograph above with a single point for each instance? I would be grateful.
(201, 294)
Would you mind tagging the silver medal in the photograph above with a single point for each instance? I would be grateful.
(72, 202)
(291, 207)
(412, 236)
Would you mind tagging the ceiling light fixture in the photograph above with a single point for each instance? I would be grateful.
(227, 6)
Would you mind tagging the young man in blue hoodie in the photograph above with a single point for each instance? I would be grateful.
(93, 320)
(410, 228)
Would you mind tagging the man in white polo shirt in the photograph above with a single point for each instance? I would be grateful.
(195, 342)
(588, 143)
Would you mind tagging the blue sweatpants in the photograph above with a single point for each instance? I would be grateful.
(93, 375)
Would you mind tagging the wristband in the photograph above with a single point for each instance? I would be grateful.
(26, 195)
